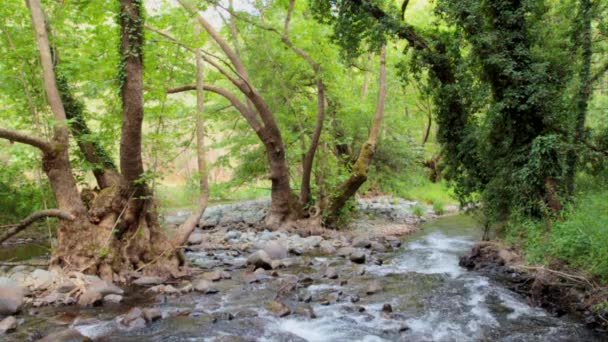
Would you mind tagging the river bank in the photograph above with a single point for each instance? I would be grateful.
(557, 288)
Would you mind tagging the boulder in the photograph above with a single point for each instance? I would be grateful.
(213, 275)
(377, 247)
(278, 308)
(204, 286)
(11, 296)
(275, 250)
(357, 256)
(260, 259)
(69, 335)
(361, 243)
(41, 279)
(90, 298)
(7, 325)
(134, 318)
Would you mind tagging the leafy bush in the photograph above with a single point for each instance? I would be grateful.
(19, 195)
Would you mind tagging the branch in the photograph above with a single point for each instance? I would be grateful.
(234, 100)
(28, 139)
(33, 218)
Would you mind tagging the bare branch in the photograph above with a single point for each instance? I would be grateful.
(33, 218)
(26, 138)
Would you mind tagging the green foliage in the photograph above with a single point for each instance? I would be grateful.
(418, 210)
(578, 236)
(438, 208)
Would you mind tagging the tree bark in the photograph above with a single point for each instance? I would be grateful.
(361, 167)
(192, 221)
(281, 206)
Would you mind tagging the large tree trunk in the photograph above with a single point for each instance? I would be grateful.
(360, 169)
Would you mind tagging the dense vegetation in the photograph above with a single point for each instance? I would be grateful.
(500, 105)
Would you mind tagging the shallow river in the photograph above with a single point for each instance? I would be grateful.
(433, 299)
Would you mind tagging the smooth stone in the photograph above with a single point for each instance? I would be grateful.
(41, 279)
(195, 238)
(357, 257)
(361, 243)
(7, 325)
(331, 273)
(11, 296)
(275, 250)
(378, 247)
(204, 286)
(105, 288)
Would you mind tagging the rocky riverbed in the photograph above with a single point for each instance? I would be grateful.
(378, 281)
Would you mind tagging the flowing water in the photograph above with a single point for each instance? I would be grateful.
(433, 299)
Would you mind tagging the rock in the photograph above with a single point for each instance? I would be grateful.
(295, 250)
(196, 238)
(275, 250)
(374, 287)
(90, 298)
(361, 243)
(345, 251)
(104, 288)
(152, 314)
(275, 264)
(134, 318)
(331, 273)
(7, 325)
(306, 310)
(222, 316)
(246, 314)
(232, 235)
(69, 335)
(213, 275)
(260, 260)
(313, 241)
(66, 286)
(204, 286)
(327, 247)
(226, 275)
(148, 281)
(278, 308)
(354, 299)
(305, 297)
(167, 289)
(507, 256)
(377, 247)
(41, 279)
(113, 299)
(11, 296)
(357, 256)
(387, 308)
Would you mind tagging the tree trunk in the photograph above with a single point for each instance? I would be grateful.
(192, 221)
(360, 169)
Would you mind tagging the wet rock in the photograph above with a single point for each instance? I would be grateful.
(204, 286)
(8, 325)
(278, 308)
(113, 299)
(357, 256)
(305, 297)
(250, 278)
(226, 275)
(345, 251)
(354, 299)
(90, 298)
(49, 299)
(275, 250)
(148, 281)
(11, 296)
(166, 289)
(306, 310)
(152, 314)
(331, 298)
(373, 287)
(245, 314)
(378, 247)
(260, 259)
(387, 311)
(327, 247)
(196, 238)
(213, 275)
(222, 316)
(361, 243)
(134, 319)
(306, 281)
(331, 273)
(232, 235)
(296, 250)
(69, 335)
(313, 241)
